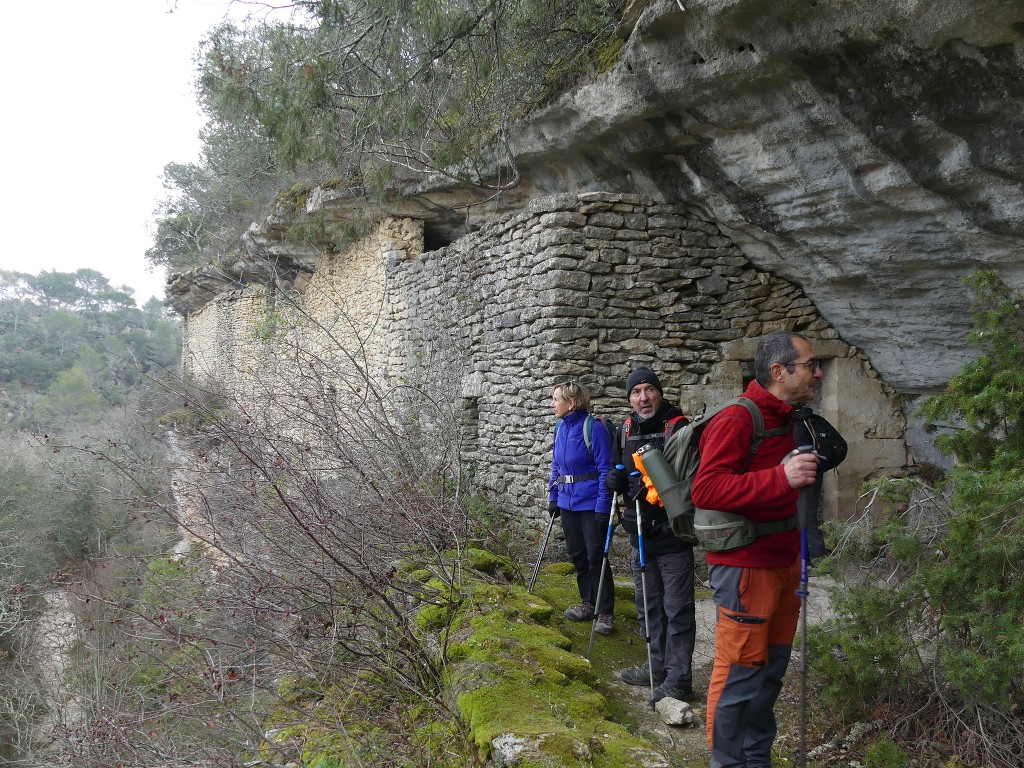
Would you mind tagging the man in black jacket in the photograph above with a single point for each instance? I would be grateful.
(668, 560)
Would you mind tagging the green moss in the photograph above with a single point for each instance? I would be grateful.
(514, 665)
(440, 603)
(420, 574)
(521, 671)
(561, 569)
(295, 197)
(487, 562)
(606, 56)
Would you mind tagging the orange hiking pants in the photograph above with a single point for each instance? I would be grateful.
(758, 609)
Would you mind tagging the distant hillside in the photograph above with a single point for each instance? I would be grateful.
(72, 344)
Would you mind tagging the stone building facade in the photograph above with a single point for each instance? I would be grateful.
(575, 286)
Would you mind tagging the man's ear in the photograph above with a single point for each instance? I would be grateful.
(777, 370)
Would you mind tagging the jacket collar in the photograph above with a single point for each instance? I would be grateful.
(774, 410)
(574, 416)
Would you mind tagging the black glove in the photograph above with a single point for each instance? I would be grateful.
(616, 481)
(553, 509)
(602, 519)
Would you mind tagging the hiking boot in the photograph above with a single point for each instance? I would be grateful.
(671, 692)
(640, 676)
(604, 624)
(584, 612)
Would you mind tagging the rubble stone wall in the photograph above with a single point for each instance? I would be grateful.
(574, 287)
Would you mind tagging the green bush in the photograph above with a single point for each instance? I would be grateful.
(886, 754)
(936, 625)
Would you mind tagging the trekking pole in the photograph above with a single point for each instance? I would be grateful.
(803, 593)
(604, 567)
(643, 586)
(540, 555)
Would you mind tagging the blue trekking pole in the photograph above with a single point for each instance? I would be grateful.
(604, 566)
(803, 592)
(643, 585)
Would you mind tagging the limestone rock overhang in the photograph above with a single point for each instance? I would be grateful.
(871, 151)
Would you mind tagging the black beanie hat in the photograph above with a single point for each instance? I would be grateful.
(643, 376)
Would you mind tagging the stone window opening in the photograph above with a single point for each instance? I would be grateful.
(434, 239)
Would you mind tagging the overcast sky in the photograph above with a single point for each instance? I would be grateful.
(97, 100)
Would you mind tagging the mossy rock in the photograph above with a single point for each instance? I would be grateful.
(441, 602)
(421, 574)
(487, 562)
(523, 687)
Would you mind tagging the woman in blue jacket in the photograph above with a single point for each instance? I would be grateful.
(580, 460)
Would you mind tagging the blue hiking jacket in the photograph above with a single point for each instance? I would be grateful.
(571, 457)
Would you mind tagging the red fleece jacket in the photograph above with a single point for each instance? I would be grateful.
(761, 493)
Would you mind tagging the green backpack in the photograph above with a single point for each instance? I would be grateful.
(716, 531)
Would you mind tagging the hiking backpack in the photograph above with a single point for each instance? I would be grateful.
(588, 431)
(716, 531)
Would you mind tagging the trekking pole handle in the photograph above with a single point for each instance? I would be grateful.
(617, 498)
(799, 449)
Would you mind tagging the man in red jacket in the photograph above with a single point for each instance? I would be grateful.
(755, 586)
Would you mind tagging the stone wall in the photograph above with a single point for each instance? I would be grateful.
(219, 339)
(584, 287)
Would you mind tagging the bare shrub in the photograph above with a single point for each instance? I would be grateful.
(319, 511)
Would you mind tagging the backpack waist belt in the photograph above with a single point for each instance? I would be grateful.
(775, 526)
(760, 528)
(577, 478)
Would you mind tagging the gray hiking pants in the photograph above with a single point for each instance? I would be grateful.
(671, 612)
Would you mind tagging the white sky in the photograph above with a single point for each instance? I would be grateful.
(97, 100)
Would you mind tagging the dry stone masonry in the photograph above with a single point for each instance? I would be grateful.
(573, 287)
(837, 167)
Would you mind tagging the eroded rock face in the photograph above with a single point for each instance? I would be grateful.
(872, 152)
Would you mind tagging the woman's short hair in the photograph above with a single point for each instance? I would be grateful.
(776, 347)
(573, 390)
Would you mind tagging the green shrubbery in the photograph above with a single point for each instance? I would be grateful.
(366, 95)
(930, 641)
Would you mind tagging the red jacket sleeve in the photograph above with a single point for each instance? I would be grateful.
(761, 493)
